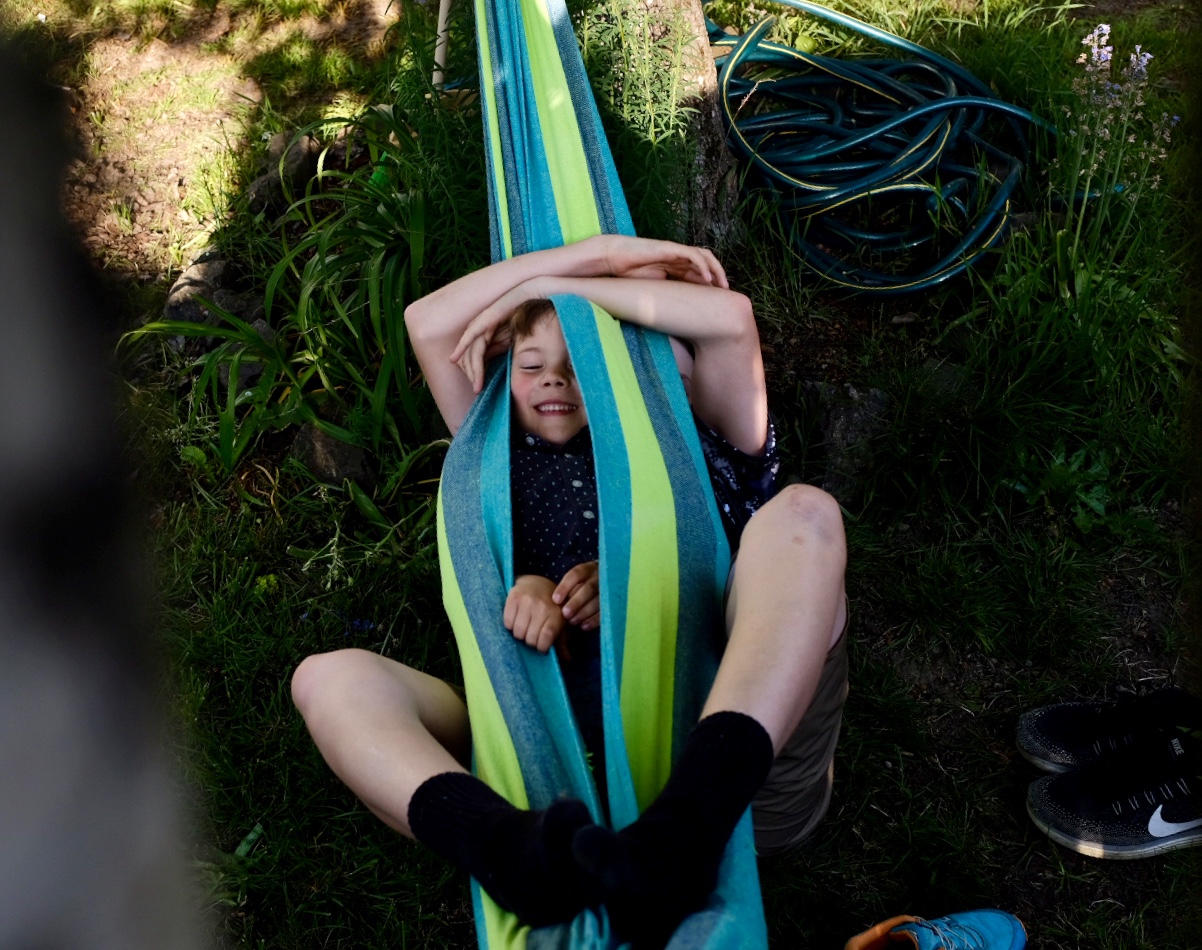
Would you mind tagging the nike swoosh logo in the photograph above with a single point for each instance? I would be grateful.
(1159, 828)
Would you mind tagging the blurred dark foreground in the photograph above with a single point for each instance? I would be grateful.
(90, 850)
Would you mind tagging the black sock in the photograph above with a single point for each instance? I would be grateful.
(662, 867)
(523, 859)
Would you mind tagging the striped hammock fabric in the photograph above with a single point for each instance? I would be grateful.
(663, 554)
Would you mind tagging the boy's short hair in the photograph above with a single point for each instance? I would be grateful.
(527, 316)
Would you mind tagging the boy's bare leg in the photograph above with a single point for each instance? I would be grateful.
(382, 727)
(786, 609)
(399, 739)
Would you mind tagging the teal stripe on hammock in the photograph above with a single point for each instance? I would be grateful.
(613, 501)
(486, 33)
(665, 362)
(607, 189)
(698, 531)
(480, 573)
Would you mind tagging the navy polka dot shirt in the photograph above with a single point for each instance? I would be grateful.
(554, 491)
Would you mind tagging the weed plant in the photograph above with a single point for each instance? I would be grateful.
(636, 64)
(1054, 383)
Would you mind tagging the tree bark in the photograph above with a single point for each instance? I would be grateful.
(708, 212)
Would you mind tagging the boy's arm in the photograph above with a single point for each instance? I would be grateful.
(728, 391)
(436, 322)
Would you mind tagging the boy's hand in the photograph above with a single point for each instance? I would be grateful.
(531, 614)
(579, 593)
(647, 259)
(487, 334)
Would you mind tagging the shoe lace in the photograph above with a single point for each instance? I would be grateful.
(961, 936)
(1152, 796)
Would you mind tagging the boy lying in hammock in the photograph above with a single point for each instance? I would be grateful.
(400, 738)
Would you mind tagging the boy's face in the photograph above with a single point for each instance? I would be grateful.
(546, 397)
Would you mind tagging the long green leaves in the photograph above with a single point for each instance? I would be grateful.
(338, 357)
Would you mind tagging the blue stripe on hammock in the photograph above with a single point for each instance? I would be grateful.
(483, 590)
(613, 501)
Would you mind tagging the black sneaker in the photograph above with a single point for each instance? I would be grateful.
(1139, 803)
(1072, 735)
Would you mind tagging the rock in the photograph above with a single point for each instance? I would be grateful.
(850, 421)
(247, 374)
(200, 279)
(346, 151)
(299, 164)
(248, 307)
(330, 459)
(208, 277)
(261, 327)
(947, 379)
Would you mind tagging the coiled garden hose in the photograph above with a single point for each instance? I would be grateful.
(883, 168)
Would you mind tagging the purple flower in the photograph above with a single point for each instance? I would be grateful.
(1139, 63)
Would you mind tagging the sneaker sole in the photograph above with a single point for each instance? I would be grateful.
(1044, 764)
(1095, 849)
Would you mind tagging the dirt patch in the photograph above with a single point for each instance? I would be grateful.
(154, 122)
(158, 124)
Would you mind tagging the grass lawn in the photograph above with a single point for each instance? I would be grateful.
(1018, 530)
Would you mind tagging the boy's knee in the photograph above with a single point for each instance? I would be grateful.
(808, 514)
(316, 675)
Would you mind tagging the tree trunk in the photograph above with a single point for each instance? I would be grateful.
(708, 214)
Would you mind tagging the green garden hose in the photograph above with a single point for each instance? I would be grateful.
(883, 168)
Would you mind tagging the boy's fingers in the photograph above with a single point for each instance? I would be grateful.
(590, 610)
(510, 610)
(547, 631)
(571, 580)
(533, 628)
(584, 594)
(716, 269)
(477, 367)
(525, 627)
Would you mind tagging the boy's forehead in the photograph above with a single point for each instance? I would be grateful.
(546, 327)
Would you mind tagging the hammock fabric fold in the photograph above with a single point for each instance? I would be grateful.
(663, 553)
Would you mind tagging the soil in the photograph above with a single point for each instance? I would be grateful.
(155, 119)
(128, 194)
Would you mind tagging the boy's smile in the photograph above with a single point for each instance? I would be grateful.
(546, 397)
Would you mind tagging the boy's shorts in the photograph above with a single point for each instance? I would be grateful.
(795, 796)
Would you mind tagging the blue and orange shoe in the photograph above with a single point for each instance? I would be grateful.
(968, 930)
